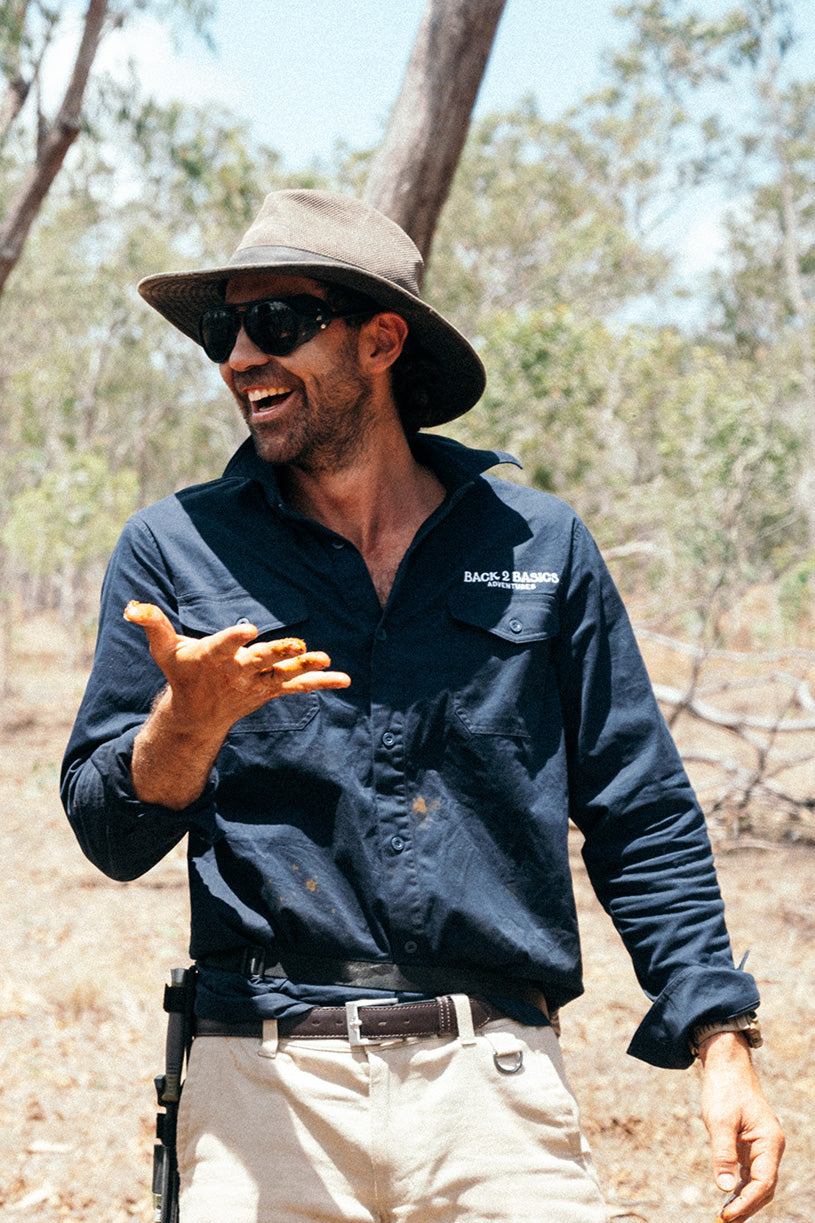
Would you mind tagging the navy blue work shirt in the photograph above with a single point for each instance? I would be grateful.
(421, 815)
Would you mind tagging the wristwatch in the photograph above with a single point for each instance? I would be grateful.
(747, 1024)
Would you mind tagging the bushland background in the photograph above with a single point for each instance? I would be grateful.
(676, 414)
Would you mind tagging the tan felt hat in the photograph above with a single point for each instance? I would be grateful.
(339, 240)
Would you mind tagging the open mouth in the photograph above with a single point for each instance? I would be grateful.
(263, 399)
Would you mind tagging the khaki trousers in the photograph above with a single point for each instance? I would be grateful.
(427, 1130)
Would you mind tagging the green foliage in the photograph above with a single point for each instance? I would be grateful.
(795, 592)
(71, 517)
(665, 447)
(537, 216)
(90, 366)
(685, 455)
(751, 304)
(545, 387)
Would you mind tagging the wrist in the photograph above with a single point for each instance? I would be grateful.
(173, 756)
(724, 1049)
(183, 721)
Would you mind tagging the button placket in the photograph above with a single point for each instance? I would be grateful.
(400, 869)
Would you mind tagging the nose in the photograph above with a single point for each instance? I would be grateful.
(245, 354)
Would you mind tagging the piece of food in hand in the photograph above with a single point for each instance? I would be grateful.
(140, 613)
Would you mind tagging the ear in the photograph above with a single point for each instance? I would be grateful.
(381, 341)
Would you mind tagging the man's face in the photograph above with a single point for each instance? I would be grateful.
(311, 409)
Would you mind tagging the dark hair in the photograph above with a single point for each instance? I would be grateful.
(415, 374)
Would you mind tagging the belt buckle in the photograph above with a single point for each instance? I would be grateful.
(354, 1023)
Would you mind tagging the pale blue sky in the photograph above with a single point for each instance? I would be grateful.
(308, 73)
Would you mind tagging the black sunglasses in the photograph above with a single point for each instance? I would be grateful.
(275, 326)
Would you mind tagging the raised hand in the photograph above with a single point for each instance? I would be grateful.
(224, 677)
(212, 683)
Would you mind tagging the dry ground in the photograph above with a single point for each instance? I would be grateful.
(83, 962)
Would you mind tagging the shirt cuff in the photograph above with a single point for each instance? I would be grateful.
(663, 1037)
(131, 836)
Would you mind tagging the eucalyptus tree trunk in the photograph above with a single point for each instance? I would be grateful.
(53, 145)
(413, 168)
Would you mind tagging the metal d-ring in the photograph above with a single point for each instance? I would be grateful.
(515, 1067)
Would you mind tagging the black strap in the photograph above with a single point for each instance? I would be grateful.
(377, 974)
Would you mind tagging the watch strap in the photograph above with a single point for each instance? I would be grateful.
(747, 1024)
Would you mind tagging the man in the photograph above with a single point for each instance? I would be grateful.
(394, 830)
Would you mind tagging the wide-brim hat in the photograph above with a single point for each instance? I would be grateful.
(343, 241)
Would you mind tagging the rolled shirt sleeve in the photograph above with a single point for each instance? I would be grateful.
(646, 849)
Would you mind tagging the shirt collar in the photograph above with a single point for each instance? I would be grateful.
(456, 465)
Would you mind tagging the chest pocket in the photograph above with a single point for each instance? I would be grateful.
(202, 614)
(508, 636)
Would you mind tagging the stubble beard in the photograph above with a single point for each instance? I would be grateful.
(330, 427)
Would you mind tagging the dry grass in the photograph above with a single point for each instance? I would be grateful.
(81, 1026)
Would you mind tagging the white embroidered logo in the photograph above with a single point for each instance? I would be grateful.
(515, 579)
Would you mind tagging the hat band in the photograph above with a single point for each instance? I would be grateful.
(258, 257)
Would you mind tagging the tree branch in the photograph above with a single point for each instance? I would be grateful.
(731, 721)
(58, 138)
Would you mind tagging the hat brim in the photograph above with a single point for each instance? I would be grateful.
(181, 297)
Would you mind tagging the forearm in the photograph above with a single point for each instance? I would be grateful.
(173, 755)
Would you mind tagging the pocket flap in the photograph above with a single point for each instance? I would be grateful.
(509, 615)
(202, 614)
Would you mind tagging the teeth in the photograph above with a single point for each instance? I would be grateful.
(266, 392)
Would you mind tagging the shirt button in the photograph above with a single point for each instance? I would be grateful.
(411, 947)
(243, 620)
(337, 543)
(397, 844)
(516, 626)
(382, 634)
(388, 738)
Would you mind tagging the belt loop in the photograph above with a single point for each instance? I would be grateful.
(268, 1044)
(464, 1018)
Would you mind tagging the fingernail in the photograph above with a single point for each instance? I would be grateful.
(726, 1181)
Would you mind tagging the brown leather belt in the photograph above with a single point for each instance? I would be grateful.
(362, 1022)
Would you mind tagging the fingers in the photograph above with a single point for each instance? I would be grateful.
(307, 673)
(756, 1188)
(166, 645)
(234, 653)
(725, 1157)
(264, 655)
(161, 636)
(317, 681)
(753, 1176)
(150, 617)
(314, 660)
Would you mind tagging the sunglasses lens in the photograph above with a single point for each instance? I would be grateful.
(275, 327)
(218, 330)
